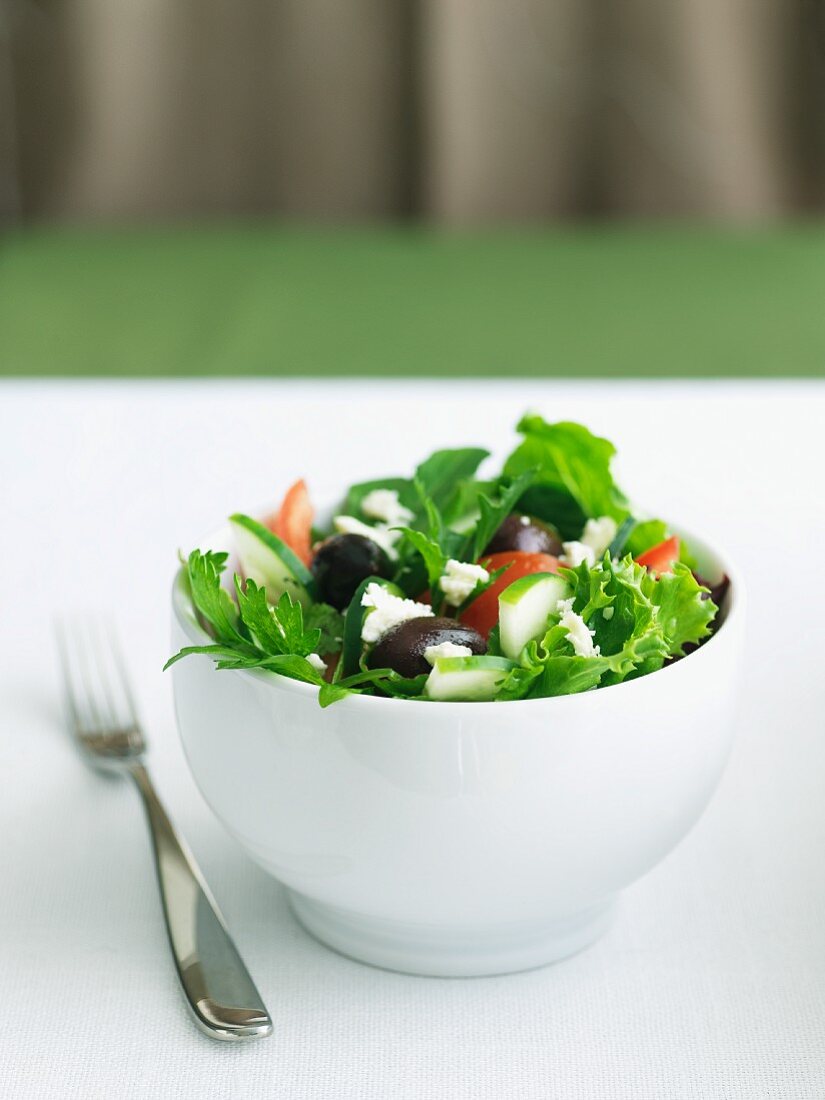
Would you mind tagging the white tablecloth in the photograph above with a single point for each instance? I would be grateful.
(711, 984)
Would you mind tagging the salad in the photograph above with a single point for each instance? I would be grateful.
(541, 580)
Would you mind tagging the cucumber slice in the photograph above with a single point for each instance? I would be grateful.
(352, 647)
(270, 562)
(524, 608)
(471, 679)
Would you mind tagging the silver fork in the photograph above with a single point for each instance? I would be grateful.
(217, 985)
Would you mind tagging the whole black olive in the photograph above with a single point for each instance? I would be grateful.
(402, 648)
(519, 532)
(342, 562)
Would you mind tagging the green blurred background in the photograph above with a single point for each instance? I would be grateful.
(412, 187)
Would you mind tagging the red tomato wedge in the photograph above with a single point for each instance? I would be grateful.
(482, 614)
(660, 558)
(292, 523)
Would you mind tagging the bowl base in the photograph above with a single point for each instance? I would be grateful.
(450, 953)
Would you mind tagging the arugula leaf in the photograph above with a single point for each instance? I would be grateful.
(574, 482)
(387, 680)
(431, 553)
(422, 556)
(462, 513)
(356, 493)
(440, 474)
(493, 513)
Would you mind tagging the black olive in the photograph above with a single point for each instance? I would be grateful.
(519, 532)
(402, 648)
(717, 592)
(342, 562)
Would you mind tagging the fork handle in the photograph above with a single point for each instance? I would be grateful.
(217, 985)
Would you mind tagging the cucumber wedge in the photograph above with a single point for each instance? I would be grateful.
(524, 608)
(468, 679)
(270, 562)
(352, 648)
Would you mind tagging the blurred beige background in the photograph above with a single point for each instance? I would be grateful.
(456, 111)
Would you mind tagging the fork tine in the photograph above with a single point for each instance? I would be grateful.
(84, 649)
(98, 658)
(120, 671)
(69, 693)
(99, 699)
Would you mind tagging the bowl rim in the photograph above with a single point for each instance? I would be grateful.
(733, 613)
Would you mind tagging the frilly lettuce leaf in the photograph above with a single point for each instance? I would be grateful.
(648, 621)
(683, 613)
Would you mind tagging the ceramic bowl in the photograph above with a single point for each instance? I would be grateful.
(459, 839)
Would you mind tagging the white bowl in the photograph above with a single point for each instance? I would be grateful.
(459, 839)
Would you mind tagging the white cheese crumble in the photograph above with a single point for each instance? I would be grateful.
(598, 534)
(459, 580)
(384, 504)
(577, 552)
(592, 543)
(607, 614)
(349, 525)
(317, 662)
(446, 649)
(580, 637)
(388, 611)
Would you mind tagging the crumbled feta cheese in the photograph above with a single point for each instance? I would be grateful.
(384, 504)
(580, 637)
(318, 663)
(446, 649)
(349, 525)
(577, 552)
(459, 580)
(388, 611)
(598, 534)
(607, 614)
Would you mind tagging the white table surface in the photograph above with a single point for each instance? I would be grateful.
(712, 982)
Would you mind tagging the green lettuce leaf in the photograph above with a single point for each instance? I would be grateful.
(573, 481)
(683, 614)
(439, 476)
(441, 473)
(630, 636)
(649, 533)
(356, 493)
(493, 512)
